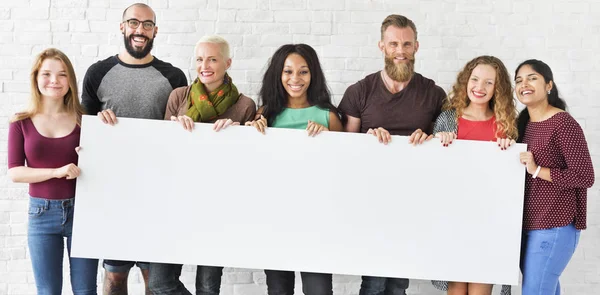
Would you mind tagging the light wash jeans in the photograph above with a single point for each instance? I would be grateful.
(545, 255)
(50, 222)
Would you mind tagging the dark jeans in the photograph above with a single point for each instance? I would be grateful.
(282, 283)
(164, 279)
(383, 286)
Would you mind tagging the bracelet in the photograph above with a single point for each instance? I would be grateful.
(537, 171)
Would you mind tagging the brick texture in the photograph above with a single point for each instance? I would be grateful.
(566, 35)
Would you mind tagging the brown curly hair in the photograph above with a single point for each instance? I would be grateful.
(502, 103)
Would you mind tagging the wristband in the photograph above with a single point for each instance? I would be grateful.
(537, 171)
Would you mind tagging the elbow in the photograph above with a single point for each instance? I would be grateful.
(14, 175)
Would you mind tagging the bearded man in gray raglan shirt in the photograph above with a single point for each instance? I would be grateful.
(132, 84)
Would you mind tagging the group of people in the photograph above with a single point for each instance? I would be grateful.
(294, 94)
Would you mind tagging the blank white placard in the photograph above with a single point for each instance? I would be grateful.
(336, 203)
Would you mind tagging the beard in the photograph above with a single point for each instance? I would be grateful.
(137, 53)
(400, 72)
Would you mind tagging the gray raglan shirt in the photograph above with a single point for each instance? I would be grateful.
(131, 91)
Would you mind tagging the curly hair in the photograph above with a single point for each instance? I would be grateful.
(502, 103)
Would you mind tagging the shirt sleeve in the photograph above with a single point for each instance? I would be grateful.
(173, 104)
(441, 97)
(571, 142)
(350, 103)
(89, 98)
(445, 122)
(250, 113)
(16, 145)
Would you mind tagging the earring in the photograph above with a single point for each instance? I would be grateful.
(548, 91)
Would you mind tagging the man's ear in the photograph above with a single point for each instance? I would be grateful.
(381, 46)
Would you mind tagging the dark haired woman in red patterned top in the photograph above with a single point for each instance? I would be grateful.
(559, 172)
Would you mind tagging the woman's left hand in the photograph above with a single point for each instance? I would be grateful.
(504, 143)
(315, 128)
(224, 123)
(526, 159)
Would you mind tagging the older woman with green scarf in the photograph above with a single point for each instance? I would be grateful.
(212, 98)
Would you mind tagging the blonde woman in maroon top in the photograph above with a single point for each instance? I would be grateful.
(480, 106)
(559, 172)
(41, 152)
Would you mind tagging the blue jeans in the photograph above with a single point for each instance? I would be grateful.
(383, 286)
(281, 282)
(123, 266)
(545, 255)
(164, 279)
(50, 222)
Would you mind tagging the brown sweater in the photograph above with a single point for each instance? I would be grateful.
(243, 110)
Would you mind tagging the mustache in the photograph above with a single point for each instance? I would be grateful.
(135, 51)
(409, 57)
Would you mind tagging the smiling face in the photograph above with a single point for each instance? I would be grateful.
(138, 42)
(52, 79)
(399, 47)
(295, 76)
(530, 86)
(481, 85)
(211, 66)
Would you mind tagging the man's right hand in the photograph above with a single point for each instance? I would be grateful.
(108, 117)
(419, 137)
(382, 135)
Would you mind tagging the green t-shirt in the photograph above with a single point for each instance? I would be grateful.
(298, 118)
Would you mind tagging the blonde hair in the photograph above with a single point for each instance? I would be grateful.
(502, 103)
(71, 99)
(215, 40)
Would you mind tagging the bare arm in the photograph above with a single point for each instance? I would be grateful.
(352, 124)
(545, 174)
(335, 124)
(259, 122)
(25, 174)
(259, 113)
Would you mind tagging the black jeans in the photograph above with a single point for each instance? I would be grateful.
(282, 283)
(383, 286)
(164, 279)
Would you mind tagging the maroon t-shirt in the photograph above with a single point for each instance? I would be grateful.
(26, 144)
(557, 143)
(416, 106)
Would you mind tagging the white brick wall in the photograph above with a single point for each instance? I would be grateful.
(566, 35)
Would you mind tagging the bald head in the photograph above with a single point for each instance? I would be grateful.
(141, 6)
